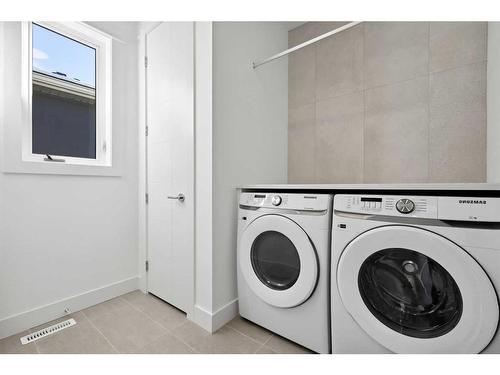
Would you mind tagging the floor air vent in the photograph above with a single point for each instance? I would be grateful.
(47, 331)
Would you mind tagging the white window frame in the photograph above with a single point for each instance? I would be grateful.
(102, 43)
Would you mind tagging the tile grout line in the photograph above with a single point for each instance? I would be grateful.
(264, 345)
(429, 118)
(182, 340)
(99, 331)
(169, 331)
(256, 350)
(363, 93)
(175, 337)
(37, 348)
(269, 338)
(315, 122)
(243, 334)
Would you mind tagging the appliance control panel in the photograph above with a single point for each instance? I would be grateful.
(442, 208)
(303, 202)
(388, 205)
(469, 209)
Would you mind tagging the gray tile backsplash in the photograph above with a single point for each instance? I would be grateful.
(301, 144)
(339, 64)
(388, 102)
(457, 127)
(455, 44)
(339, 118)
(396, 132)
(395, 52)
(302, 77)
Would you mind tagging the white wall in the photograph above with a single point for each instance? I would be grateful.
(66, 236)
(493, 100)
(249, 132)
(203, 175)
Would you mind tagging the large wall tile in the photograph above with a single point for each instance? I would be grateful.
(458, 125)
(339, 64)
(301, 144)
(454, 44)
(460, 90)
(301, 77)
(396, 132)
(423, 87)
(339, 139)
(395, 51)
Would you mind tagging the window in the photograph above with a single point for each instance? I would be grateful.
(68, 95)
(63, 95)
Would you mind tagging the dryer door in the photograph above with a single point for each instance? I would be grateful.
(415, 291)
(278, 261)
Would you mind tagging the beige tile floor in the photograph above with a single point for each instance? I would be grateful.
(140, 323)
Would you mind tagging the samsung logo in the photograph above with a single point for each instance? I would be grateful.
(472, 201)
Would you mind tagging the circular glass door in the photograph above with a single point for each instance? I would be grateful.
(414, 291)
(410, 293)
(278, 261)
(275, 260)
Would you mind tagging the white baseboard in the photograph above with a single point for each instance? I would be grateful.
(202, 317)
(211, 322)
(17, 323)
(224, 315)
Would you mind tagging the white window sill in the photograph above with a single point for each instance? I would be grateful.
(59, 168)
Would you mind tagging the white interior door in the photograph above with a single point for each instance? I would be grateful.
(170, 151)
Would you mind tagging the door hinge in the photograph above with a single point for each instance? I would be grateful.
(147, 131)
(146, 264)
(147, 198)
(145, 61)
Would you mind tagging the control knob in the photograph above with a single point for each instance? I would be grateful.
(405, 206)
(276, 200)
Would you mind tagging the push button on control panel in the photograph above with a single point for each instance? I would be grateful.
(405, 206)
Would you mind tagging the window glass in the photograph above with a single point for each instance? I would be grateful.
(410, 293)
(275, 260)
(64, 95)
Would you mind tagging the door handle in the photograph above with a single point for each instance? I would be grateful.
(180, 197)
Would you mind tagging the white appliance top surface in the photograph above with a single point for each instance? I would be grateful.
(429, 186)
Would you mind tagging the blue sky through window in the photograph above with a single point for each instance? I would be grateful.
(53, 52)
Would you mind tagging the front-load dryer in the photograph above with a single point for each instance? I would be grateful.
(415, 274)
(283, 265)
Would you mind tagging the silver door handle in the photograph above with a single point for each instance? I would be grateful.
(180, 197)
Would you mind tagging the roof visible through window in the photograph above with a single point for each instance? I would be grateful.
(62, 57)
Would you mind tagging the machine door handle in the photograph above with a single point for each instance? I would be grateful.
(180, 197)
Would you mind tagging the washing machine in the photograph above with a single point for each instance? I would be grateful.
(415, 274)
(283, 264)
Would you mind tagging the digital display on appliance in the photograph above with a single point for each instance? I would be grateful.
(259, 196)
(370, 199)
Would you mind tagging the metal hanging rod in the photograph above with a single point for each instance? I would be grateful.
(302, 45)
